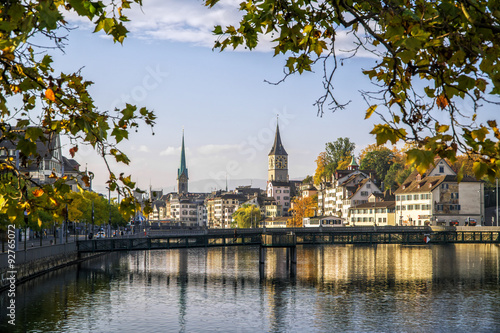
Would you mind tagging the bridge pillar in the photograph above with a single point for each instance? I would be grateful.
(293, 259)
(262, 255)
(262, 262)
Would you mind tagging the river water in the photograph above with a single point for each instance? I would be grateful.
(384, 288)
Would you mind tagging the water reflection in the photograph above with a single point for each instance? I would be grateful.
(348, 288)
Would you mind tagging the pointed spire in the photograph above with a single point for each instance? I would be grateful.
(182, 168)
(277, 148)
(353, 165)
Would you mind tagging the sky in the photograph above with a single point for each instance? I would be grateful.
(220, 99)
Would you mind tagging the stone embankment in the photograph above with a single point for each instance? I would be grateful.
(32, 262)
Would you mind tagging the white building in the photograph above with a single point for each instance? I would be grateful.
(348, 188)
(436, 198)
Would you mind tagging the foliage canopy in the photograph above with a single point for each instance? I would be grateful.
(247, 216)
(437, 63)
(36, 103)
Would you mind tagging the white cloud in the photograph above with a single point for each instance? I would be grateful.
(190, 21)
(169, 151)
(216, 149)
(141, 148)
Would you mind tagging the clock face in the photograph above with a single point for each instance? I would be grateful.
(281, 162)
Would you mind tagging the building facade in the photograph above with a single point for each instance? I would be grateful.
(437, 198)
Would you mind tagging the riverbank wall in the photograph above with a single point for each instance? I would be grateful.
(32, 262)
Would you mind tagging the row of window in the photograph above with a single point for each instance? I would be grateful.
(452, 207)
(413, 207)
(370, 211)
(423, 196)
(369, 219)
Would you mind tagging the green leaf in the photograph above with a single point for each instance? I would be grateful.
(479, 168)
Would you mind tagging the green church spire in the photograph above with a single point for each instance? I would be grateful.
(182, 172)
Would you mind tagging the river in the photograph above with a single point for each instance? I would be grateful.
(383, 288)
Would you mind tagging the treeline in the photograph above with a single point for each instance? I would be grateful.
(389, 164)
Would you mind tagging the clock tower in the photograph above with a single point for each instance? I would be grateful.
(278, 160)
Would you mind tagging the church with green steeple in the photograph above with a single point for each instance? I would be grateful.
(182, 172)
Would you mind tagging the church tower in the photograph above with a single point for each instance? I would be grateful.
(278, 160)
(182, 172)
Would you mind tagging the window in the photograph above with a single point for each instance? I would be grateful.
(422, 196)
(368, 185)
(439, 207)
(415, 197)
(397, 198)
(417, 207)
(444, 186)
(408, 197)
(441, 169)
(454, 195)
(364, 193)
(410, 207)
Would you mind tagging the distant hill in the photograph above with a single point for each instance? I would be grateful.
(209, 185)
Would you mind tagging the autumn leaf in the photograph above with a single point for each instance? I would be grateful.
(73, 150)
(38, 192)
(370, 111)
(49, 94)
(442, 101)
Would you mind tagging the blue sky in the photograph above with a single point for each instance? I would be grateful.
(220, 99)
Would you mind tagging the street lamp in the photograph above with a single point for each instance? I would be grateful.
(496, 191)
(109, 208)
(91, 176)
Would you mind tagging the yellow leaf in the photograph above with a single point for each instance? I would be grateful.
(50, 95)
(9, 56)
(441, 128)
(370, 111)
(39, 222)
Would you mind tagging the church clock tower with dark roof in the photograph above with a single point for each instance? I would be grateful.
(278, 160)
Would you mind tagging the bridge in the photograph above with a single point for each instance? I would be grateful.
(291, 237)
